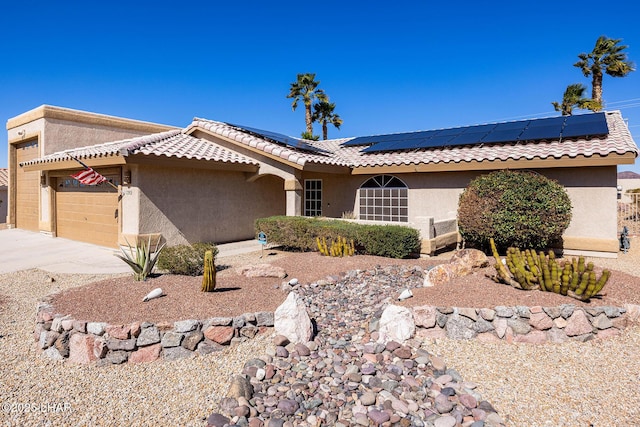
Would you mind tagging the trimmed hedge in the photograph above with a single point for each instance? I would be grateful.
(299, 233)
(187, 260)
(515, 208)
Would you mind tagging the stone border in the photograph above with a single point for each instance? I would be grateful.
(61, 337)
(535, 325)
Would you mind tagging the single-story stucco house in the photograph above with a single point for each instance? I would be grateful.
(210, 180)
(4, 189)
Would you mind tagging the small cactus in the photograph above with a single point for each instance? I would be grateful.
(339, 247)
(209, 277)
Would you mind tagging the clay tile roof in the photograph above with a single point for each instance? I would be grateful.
(171, 143)
(4, 177)
(619, 141)
(180, 144)
(300, 157)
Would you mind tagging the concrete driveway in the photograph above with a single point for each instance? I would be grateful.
(23, 250)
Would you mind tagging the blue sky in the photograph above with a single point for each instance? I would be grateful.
(389, 67)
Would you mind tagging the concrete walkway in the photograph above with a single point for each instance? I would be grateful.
(24, 250)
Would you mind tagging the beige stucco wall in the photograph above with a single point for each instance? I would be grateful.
(198, 205)
(593, 199)
(435, 194)
(58, 129)
(338, 192)
(592, 192)
(62, 128)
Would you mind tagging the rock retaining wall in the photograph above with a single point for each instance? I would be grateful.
(61, 337)
(536, 325)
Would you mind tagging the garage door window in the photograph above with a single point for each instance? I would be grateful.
(69, 183)
(384, 198)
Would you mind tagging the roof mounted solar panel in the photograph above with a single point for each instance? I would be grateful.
(468, 138)
(511, 125)
(279, 138)
(365, 140)
(385, 146)
(552, 128)
(585, 125)
(436, 141)
(451, 131)
(375, 139)
(540, 129)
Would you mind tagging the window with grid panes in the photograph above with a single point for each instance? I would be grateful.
(384, 198)
(312, 197)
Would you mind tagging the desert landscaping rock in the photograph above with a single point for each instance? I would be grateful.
(182, 326)
(344, 363)
(344, 376)
(149, 335)
(192, 339)
(171, 339)
(262, 270)
(292, 320)
(354, 380)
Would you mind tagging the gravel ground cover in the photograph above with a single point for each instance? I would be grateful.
(593, 383)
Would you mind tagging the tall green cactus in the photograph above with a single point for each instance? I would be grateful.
(209, 277)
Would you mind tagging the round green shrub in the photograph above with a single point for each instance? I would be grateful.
(517, 208)
(187, 260)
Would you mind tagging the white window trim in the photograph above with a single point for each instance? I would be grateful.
(314, 212)
(392, 209)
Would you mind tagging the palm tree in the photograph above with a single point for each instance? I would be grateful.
(323, 114)
(573, 97)
(607, 57)
(305, 88)
(309, 136)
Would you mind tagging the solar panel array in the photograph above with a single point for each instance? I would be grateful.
(280, 139)
(554, 128)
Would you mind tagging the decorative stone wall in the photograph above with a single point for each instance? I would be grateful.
(536, 325)
(61, 337)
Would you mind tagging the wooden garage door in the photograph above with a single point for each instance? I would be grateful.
(87, 213)
(27, 188)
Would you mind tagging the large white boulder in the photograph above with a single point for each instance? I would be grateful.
(396, 324)
(292, 321)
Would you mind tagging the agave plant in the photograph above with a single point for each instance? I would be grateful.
(140, 258)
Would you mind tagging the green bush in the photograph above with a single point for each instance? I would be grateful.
(187, 260)
(299, 233)
(516, 208)
(390, 241)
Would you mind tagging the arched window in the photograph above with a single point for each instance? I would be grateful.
(384, 198)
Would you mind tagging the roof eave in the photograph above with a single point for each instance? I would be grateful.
(190, 162)
(102, 161)
(299, 164)
(612, 159)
